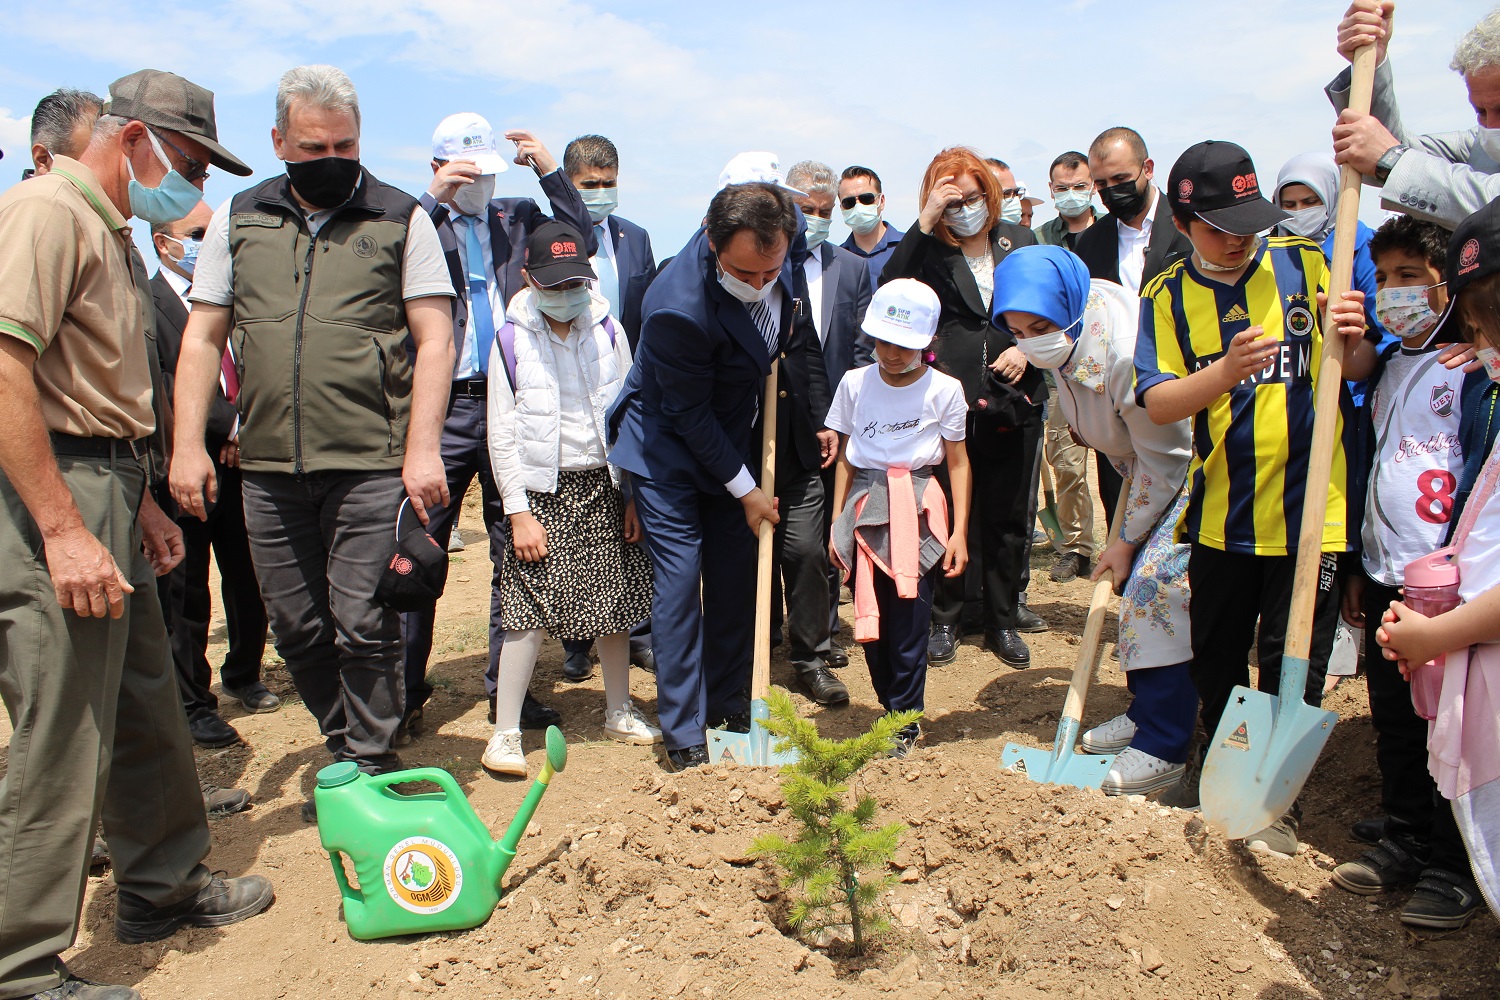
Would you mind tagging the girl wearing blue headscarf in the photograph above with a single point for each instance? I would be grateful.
(1085, 331)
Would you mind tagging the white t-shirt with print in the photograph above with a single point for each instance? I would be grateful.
(900, 427)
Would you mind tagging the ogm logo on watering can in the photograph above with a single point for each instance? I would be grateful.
(423, 875)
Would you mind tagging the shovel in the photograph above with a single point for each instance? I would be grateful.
(1048, 514)
(754, 747)
(1265, 747)
(1060, 765)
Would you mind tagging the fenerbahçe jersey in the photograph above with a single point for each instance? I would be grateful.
(1251, 445)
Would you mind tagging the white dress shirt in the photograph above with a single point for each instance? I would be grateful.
(814, 271)
(1132, 246)
(746, 481)
(578, 441)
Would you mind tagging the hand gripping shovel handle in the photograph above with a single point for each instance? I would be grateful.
(760, 676)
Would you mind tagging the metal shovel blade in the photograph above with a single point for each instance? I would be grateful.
(1261, 755)
(1060, 765)
(753, 748)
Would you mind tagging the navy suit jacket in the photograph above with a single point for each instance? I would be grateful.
(512, 221)
(636, 266)
(688, 410)
(846, 294)
(171, 320)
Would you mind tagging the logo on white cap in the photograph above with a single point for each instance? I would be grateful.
(903, 312)
(755, 168)
(467, 136)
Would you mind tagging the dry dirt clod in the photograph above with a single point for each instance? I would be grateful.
(1151, 959)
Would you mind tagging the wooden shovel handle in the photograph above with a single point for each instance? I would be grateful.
(760, 674)
(1330, 382)
(1093, 627)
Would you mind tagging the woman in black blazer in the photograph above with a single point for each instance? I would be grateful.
(953, 248)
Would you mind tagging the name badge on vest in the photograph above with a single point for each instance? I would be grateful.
(256, 219)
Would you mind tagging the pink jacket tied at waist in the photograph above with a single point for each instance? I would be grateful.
(902, 561)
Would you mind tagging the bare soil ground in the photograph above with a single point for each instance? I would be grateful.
(636, 883)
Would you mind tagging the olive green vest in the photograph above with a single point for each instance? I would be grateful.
(319, 331)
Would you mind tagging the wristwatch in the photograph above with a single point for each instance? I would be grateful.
(1387, 162)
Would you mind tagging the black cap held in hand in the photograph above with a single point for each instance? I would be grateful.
(417, 570)
(168, 101)
(555, 253)
(1216, 181)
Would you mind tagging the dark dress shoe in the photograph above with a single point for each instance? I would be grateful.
(491, 716)
(410, 728)
(1008, 645)
(255, 697)
(534, 715)
(577, 666)
(942, 645)
(821, 686)
(643, 657)
(208, 730)
(1369, 831)
(1029, 621)
(693, 756)
(223, 901)
(74, 988)
(739, 722)
(836, 657)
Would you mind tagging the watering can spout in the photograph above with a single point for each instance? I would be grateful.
(557, 759)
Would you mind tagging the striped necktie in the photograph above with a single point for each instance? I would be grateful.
(765, 321)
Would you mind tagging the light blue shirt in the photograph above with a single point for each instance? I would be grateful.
(468, 358)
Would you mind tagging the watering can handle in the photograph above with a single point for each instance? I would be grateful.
(436, 775)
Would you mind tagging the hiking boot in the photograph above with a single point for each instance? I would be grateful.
(223, 801)
(625, 725)
(223, 901)
(503, 754)
(209, 730)
(1184, 794)
(1442, 901)
(906, 740)
(1068, 567)
(1385, 866)
(821, 686)
(1029, 621)
(1278, 840)
(1111, 737)
(1136, 772)
(74, 988)
(534, 715)
(687, 757)
(255, 697)
(1369, 831)
(1007, 644)
(942, 645)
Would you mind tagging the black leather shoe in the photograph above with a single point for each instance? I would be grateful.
(1029, 621)
(1008, 645)
(74, 988)
(208, 730)
(681, 760)
(534, 715)
(836, 657)
(410, 728)
(577, 666)
(223, 901)
(942, 645)
(821, 686)
(739, 722)
(644, 657)
(1369, 831)
(255, 697)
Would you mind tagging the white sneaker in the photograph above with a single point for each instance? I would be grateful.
(1111, 737)
(1136, 772)
(625, 725)
(503, 754)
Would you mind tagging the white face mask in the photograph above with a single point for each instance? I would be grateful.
(862, 219)
(743, 290)
(1490, 358)
(1050, 350)
(563, 305)
(1072, 203)
(1010, 210)
(1405, 311)
(966, 220)
(817, 231)
(1489, 141)
(1309, 222)
(1208, 265)
(471, 199)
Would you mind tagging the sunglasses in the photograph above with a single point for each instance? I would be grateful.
(868, 198)
(196, 169)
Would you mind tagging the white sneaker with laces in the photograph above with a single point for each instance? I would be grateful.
(625, 725)
(503, 754)
(1136, 772)
(1111, 737)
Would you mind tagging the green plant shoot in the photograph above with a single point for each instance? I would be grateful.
(835, 843)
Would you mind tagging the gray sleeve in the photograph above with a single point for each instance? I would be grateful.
(424, 271)
(1431, 186)
(213, 276)
(1382, 100)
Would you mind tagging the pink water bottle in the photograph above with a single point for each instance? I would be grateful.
(1431, 588)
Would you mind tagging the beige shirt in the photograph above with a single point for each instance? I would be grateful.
(67, 290)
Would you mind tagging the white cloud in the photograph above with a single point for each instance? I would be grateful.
(15, 141)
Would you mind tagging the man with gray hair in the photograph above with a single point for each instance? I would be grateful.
(62, 124)
(339, 425)
(1444, 177)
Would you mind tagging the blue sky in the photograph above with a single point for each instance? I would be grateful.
(682, 86)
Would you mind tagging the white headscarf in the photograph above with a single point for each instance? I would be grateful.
(1319, 172)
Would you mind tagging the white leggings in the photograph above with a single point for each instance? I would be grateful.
(518, 659)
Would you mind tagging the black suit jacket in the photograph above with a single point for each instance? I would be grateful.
(966, 338)
(635, 265)
(171, 320)
(1099, 245)
(846, 294)
(802, 385)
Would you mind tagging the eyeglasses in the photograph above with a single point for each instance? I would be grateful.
(1014, 192)
(1060, 187)
(867, 198)
(196, 169)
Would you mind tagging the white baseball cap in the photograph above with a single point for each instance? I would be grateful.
(903, 312)
(1024, 193)
(751, 168)
(467, 136)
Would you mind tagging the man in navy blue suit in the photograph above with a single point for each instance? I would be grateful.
(685, 429)
(484, 242)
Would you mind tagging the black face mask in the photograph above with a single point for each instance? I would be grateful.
(1124, 199)
(324, 183)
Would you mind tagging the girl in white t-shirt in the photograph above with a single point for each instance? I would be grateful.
(897, 419)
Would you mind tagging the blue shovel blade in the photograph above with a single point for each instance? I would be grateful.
(1260, 757)
(754, 748)
(1081, 770)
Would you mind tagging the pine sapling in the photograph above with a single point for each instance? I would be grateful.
(835, 843)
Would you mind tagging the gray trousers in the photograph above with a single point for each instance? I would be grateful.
(320, 542)
(98, 730)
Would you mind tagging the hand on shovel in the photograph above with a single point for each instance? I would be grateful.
(758, 508)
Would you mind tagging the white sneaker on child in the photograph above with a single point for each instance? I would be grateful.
(503, 754)
(625, 725)
(1111, 737)
(1136, 772)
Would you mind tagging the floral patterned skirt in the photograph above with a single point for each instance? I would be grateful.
(1154, 629)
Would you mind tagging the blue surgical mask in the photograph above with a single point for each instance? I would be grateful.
(1072, 203)
(564, 305)
(189, 259)
(600, 202)
(172, 199)
(1010, 210)
(862, 219)
(817, 231)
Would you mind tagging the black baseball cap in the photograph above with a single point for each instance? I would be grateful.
(1216, 182)
(1473, 253)
(168, 101)
(417, 570)
(555, 253)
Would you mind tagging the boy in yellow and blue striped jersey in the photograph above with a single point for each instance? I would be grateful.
(1231, 337)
